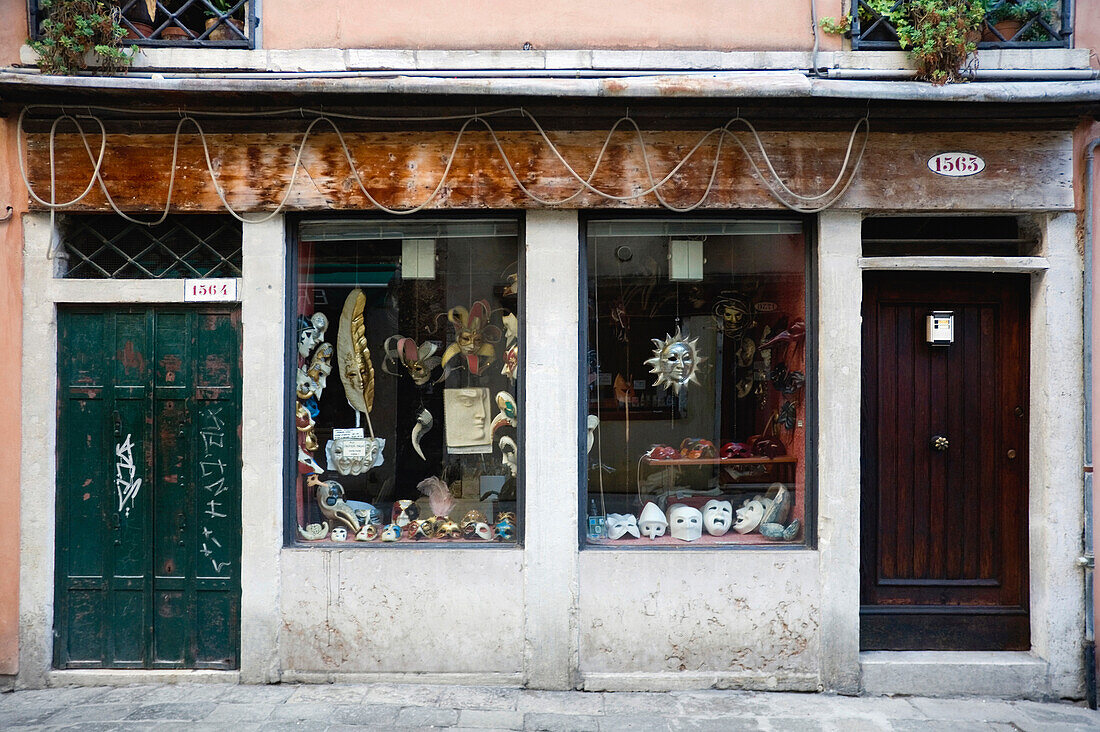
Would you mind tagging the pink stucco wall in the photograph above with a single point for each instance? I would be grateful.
(564, 24)
(12, 33)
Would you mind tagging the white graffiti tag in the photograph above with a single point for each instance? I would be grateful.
(126, 485)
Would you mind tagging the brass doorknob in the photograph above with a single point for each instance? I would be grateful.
(939, 442)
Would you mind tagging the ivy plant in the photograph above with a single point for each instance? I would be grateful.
(80, 35)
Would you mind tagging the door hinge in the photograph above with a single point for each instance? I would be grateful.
(1086, 561)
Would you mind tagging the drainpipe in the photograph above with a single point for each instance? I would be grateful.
(1087, 560)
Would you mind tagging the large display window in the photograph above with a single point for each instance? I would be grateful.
(696, 383)
(407, 375)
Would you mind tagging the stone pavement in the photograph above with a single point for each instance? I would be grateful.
(420, 706)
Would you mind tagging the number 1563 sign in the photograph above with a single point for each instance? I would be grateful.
(956, 164)
(210, 290)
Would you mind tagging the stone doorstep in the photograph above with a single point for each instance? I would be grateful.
(323, 60)
(1002, 674)
(127, 677)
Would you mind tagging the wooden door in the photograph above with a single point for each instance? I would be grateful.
(148, 495)
(944, 522)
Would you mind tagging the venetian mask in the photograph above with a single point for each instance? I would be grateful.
(511, 347)
(748, 517)
(717, 517)
(366, 513)
(320, 367)
(505, 530)
(405, 511)
(474, 337)
(421, 529)
(675, 361)
(477, 530)
(449, 530)
(684, 522)
(652, 521)
(306, 463)
(339, 534)
(429, 526)
(732, 316)
(417, 360)
(509, 455)
(506, 516)
(304, 423)
(369, 532)
(622, 524)
(330, 499)
(354, 455)
(391, 532)
(313, 532)
(508, 414)
(466, 417)
(472, 516)
(305, 387)
(311, 331)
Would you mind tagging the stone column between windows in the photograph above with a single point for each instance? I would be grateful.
(263, 326)
(550, 442)
(839, 298)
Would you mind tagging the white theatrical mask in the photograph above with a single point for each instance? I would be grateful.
(354, 456)
(621, 524)
(748, 517)
(312, 332)
(652, 521)
(684, 522)
(466, 417)
(339, 534)
(717, 517)
(509, 455)
(593, 423)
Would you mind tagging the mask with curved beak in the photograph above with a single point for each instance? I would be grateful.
(330, 499)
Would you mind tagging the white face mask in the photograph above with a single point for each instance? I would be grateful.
(685, 522)
(621, 524)
(652, 521)
(339, 534)
(717, 517)
(748, 517)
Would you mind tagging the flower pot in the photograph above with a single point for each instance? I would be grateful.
(1007, 29)
(221, 32)
(175, 33)
(139, 32)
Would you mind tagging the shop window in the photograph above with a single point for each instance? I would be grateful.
(407, 374)
(696, 383)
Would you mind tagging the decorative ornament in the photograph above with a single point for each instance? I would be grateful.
(369, 532)
(448, 530)
(439, 495)
(353, 354)
(474, 338)
(339, 534)
(417, 360)
(313, 532)
(675, 361)
(732, 316)
(306, 464)
(391, 532)
(423, 425)
(793, 334)
(624, 391)
(717, 516)
(404, 511)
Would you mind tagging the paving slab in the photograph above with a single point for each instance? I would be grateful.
(546, 722)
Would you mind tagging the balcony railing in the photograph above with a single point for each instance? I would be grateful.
(1007, 24)
(174, 23)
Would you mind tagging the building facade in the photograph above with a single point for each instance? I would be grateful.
(435, 348)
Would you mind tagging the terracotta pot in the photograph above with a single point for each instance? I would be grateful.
(221, 32)
(174, 33)
(1007, 29)
(143, 30)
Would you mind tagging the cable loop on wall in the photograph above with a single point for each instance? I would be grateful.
(802, 203)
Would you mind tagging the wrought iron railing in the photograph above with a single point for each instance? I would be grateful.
(173, 23)
(1007, 24)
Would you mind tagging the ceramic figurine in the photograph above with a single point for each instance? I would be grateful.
(404, 512)
(369, 532)
(353, 354)
(313, 532)
(423, 425)
(339, 534)
(684, 522)
(717, 517)
(675, 361)
(620, 525)
(466, 417)
(474, 338)
(748, 517)
(417, 360)
(391, 532)
(330, 499)
(652, 521)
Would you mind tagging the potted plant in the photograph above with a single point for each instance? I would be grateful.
(1007, 17)
(216, 20)
(79, 35)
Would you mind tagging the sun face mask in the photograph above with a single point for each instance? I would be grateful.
(652, 521)
(675, 361)
(717, 517)
(684, 522)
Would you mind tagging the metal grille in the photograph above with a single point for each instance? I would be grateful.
(184, 246)
(173, 23)
(1037, 24)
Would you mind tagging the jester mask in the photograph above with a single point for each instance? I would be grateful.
(474, 337)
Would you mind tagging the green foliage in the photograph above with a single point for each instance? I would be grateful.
(73, 29)
(832, 25)
(940, 35)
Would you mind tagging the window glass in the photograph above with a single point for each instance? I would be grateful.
(696, 383)
(407, 366)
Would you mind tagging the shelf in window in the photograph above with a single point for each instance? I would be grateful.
(784, 460)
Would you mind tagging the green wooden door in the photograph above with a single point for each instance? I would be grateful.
(148, 495)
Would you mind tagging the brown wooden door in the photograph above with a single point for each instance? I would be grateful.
(943, 562)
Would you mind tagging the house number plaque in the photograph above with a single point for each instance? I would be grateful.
(956, 164)
(221, 289)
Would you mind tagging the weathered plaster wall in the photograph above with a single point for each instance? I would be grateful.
(669, 619)
(501, 24)
(377, 611)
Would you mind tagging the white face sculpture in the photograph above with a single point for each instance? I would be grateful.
(621, 524)
(352, 456)
(685, 522)
(339, 534)
(652, 522)
(717, 517)
(466, 416)
(748, 517)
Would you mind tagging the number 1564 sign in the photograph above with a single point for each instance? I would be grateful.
(210, 290)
